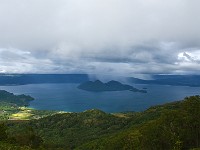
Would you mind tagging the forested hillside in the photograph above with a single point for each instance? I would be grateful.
(167, 127)
(171, 126)
(20, 100)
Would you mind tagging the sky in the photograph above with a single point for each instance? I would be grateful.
(117, 37)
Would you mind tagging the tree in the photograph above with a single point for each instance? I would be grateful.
(3, 133)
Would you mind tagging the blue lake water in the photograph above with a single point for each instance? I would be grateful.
(68, 97)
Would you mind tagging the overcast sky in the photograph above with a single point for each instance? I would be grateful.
(120, 37)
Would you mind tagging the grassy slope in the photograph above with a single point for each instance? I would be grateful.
(10, 111)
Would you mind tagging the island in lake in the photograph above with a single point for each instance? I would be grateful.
(98, 86)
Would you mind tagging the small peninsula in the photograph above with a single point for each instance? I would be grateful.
(98, 86)
(20, 100)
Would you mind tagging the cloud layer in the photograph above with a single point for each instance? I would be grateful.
(100, 36)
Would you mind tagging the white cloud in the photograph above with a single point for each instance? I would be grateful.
(110, 36)
(192, 56)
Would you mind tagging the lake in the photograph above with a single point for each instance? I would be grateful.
(67, 97)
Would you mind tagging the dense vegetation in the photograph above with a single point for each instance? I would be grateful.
(98, 86)
(171, 126)
(9, 111)
(20, 100)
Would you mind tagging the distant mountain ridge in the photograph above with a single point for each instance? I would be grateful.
(174, 80)
(98, 86)
(21, 79)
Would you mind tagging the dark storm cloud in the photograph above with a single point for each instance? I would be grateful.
(100, 36)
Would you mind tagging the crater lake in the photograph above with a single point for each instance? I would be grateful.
(67, 97)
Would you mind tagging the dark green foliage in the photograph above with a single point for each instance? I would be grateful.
(6, 109)
(73, 129)
(27, 137)
(8, 146)
(177, 129)
(3, 133)
(20, 100)
(98, 86)
(173, 126)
